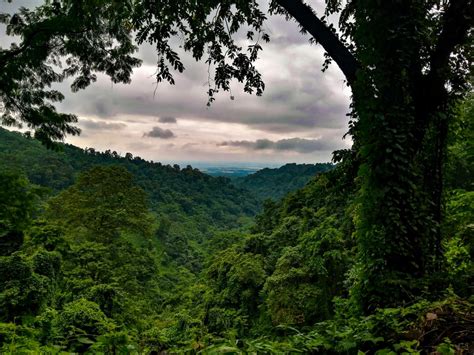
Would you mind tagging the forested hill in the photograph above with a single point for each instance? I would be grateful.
(276, 183)
(194, 199)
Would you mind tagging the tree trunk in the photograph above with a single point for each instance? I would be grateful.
(401, 117)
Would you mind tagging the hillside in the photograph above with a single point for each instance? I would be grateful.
(276, 183)
(170, 188)
(88, 268)
(192, 204)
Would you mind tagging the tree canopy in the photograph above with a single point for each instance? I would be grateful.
(105, 202)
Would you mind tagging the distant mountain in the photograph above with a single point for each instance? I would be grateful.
(231, 169)
(230, 172)
(276, 183)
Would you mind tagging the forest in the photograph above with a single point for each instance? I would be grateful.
(369, 254)
(121, 255)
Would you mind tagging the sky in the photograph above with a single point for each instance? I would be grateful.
(300, 118)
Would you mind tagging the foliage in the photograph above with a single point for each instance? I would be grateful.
(105, 202)
(82, 322)
(308, 276)
(22, 291)
(235, 279)
(100, 270)
(408, 64)
(18, 202)
(276, 183)
(459, 246)
(460, 155)
(58, 42)
(282, 287)
(421, 328)
(189, 204)
(290, 268)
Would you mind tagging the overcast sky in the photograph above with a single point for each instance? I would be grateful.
(301, 116)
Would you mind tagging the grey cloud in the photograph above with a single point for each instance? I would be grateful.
(299, 100)
(167, 119)
(283, 32)
(102, 109)
(98, 125)
(299, 145)
(158, 132)
(299, 97)
(302, 145)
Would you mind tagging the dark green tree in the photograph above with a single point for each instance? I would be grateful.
(234, 281)
(57, 44)
(104, 202)
(406, 61)
(18, 202)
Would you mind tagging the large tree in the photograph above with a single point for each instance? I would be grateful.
(407, 62)
(102, 203)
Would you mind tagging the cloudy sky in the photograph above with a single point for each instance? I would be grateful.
(301, 116)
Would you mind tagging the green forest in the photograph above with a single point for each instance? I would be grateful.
(372, 253)
(120, 255)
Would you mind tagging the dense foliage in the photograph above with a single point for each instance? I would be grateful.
(276, 183)
(87, 270)
(407, 62)
(190, 205)
(375, 255)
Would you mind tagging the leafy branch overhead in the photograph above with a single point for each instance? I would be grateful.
(74, 41)
(67, 38)
(80, 39)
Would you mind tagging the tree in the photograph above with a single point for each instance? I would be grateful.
(234, 280)
(18, 203)
(410, 78)
(406, 61)
(103, 202)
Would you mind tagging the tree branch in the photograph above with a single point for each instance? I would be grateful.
(458, 19)
(28, 40)
(305, 16)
